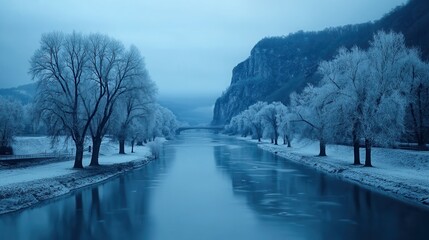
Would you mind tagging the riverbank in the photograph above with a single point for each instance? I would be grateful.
(401, 174)
(28, 186)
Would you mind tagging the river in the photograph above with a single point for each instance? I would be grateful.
(207, 186)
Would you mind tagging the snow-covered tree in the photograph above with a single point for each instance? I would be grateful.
(169, 123)
(345, 76)
(232, 127)
(245, 123)
(313, 108)
(240, 124)
(268, 132)
(416, 74)
(81, 79)
(255, 120)
(121, 76)
(132, 106)
(284, 122)
(61, 67)
(141, 127)
(368, 91)
(384, 111)
(11, 115)
(269, 115)
(162, 124)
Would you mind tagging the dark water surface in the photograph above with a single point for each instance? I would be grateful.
(206, 186)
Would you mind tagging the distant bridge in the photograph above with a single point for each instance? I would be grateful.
(214, 128)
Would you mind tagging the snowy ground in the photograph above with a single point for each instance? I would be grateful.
(402, 174)
(25, 186)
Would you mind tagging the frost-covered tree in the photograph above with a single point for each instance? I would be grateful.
(61, 67)
(284, 122)
(121, 77)
(80, 81)
(240, 124)
(313, 108)
(369, 92)
(32, 124)
(416, 74)
(268, 132)
(255, 119)
(269, 115)
(168, 121)
(141, 127)
(11, 115)
(132, 106)
(346, 76)
(232, 127)
(162, 124)
(384, 111)
(245, 123)
(156, 124)
(135, 132)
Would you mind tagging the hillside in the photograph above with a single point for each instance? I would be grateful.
(278, 66)
(24, 94)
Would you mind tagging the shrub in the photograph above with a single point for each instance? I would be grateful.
(155, 148)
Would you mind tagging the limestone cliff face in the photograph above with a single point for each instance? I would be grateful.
(279, 66)
(275, 68)
(257, 78)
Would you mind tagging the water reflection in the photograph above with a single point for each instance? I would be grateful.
(206, 186)
(117, 209)
(318, 206)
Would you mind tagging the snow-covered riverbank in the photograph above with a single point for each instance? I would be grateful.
(26, 186)
(401, 174)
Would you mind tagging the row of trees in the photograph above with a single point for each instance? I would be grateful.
(11, 113)
(378, 96)
(263, 120)
(91, 85)
(154, 121)
(128, 123)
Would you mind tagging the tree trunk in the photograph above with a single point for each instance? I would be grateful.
(78, 160)
(421, 140)
(272, 140)
(421, 145)
(322, 148)
(259, 139)
(356, 145)
(288, 141)
(132, 146)
(284, 140)
(121, 146)
(367, 153)
(276, 136)
(96, 144)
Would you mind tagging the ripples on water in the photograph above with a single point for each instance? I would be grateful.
(206, 186)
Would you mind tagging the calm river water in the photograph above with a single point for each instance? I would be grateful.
(206, 186)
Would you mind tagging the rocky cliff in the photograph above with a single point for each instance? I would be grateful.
(278, 66)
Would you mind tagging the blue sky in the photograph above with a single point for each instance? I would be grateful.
(190, 46)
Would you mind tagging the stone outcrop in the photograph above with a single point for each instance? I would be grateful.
(278, 66)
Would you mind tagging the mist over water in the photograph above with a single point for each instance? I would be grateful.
(190, 110)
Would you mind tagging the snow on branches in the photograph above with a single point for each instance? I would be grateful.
(365, 96)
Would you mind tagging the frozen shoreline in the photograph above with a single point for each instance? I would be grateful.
(400, 174)
(28, 186)
(22, 195)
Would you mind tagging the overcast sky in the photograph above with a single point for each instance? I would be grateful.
(190, 46)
